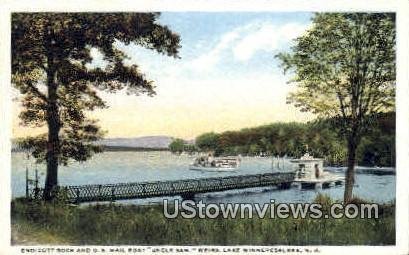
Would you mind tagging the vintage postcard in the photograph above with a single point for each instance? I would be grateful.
(208, 128)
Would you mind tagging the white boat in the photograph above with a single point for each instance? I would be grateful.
(221, 164)
(212, 168)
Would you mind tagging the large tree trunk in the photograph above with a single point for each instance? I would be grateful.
(350, 173)
(53, 143)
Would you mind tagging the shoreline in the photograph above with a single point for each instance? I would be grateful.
(140, 149)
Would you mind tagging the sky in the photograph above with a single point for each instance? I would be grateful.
(226, 78)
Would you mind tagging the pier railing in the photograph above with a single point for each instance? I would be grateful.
(185, 188)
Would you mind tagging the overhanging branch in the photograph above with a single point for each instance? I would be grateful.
(34, 90)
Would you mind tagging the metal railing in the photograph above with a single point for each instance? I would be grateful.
(184, 188)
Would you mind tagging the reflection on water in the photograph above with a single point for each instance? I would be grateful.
(116, 167)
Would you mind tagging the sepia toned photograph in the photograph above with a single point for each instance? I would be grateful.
(203, 130)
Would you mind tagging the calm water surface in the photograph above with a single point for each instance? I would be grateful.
(115, 167)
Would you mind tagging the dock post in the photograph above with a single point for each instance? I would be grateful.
(284, 185)
(78, 196)
(188, 196)
(36, 184)
(112, 194)
(26, 182)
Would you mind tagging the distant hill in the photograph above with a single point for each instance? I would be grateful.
(160, 142)
(119, 144)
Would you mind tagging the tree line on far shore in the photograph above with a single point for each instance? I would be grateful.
(319, 138)
(344, 68)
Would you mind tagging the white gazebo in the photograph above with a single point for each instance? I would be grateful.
(308, 167)
(310, 173)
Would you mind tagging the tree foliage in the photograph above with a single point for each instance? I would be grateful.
(177, 145)
(344, 68)
(52, 67)
(320, 138)
(207, 141)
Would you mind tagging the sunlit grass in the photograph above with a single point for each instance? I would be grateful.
(114, 224)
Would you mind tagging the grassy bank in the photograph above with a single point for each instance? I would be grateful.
(114, 224)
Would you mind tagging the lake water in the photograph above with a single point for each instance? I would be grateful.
(115, 167)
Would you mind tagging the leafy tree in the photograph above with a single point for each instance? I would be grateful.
(52, 68)
(190, 148)
(344, 67)
(254, 149)
(177, 145)
(208, 141)
(376, 148)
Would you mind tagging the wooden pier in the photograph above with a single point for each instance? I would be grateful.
(185, 188)
(325, 182)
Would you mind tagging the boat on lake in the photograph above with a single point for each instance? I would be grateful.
(217, 164)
